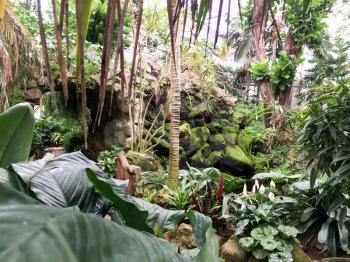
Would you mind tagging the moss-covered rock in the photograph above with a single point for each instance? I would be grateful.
(199, 136)
(214, 158)
(217, 142)
(214, 126)
(237, 162)
(185, 136)
(230, 129)
(244, 141)
(199, 158)
(147, 162)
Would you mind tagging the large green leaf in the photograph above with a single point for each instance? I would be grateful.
(128, 209)
(61, 181)
(200, 225)
(210, 250)
(16, 131)
(166, 219)
(35, 233)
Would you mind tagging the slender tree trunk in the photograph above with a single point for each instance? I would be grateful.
(107, 43)
(46, 55)
(60, 56)
(291, 48)
(175, 106)
(80, 52)
(260, 12)
(66, 7)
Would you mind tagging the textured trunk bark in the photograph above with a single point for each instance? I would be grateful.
(46, 54)
(291, 48)
(260, 12)
(175, 106)
(60, 57)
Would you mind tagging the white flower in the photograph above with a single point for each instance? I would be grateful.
(272, 184)
(262, 189)
(245, 192)
(256, 184)
(254, 189)
(271, 196)
(243, 206)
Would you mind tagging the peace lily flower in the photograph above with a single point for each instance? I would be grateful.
(271, 196)
(272, 184)
(256, 184)
(243, 206)
(254, 189)
(245, 192)
(262, 189)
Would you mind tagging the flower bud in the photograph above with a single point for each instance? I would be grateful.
(262, 189)
(254, 189)
(271, 196)
(245, 192)
(272, 184)
(256, 184)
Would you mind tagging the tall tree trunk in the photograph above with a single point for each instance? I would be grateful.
(81, 72)
(107, 43)
(175, 106)
(291, 48)
(46, 55)
(260, 13)
(60, 56)
(66, 8)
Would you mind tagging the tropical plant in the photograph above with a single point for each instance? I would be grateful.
(106, 160)
(325, 136)
(16, 131)
(260, 217)
(326, 222)
(260, 70)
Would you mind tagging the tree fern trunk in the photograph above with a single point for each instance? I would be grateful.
(175, 106)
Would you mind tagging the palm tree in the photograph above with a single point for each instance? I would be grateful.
(18, 53)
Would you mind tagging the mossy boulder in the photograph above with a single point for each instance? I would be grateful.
(199, 136)
(217, 142)
(147, 162)
(214, 157)
(230, 133)
(215, 126)
(200, 156)
(237, 161)
(185, 135)
(244, 141)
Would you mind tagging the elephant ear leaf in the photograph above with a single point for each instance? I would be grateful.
(32, 232)
(16, 132)
(127, 207)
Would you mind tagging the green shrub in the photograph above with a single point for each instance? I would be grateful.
(106, 160)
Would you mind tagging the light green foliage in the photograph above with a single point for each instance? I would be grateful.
(50, 131)
(283, 72)
(106, 160)
(260, 70)
(155, 24)
(306, 20)
(237, 154)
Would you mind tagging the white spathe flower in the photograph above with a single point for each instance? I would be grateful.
(254, 189)
(272, 184)
(245, 192)
(262, 189)
(271, 196)
(243, 206)
(256, 184)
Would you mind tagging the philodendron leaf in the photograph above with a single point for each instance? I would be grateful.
(61, 181)
(166, 219)
(128, 209)
(200, 225)
(210, 250)
(38, 233)
(16, 132)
